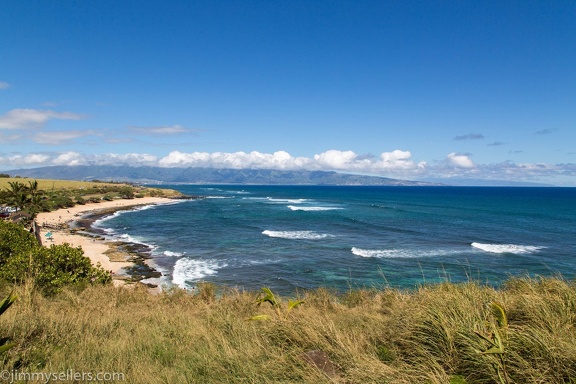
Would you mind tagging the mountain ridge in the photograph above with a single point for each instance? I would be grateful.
(196, 175)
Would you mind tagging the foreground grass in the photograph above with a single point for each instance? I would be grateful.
(384, 336)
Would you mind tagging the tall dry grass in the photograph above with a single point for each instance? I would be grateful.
(367, 336)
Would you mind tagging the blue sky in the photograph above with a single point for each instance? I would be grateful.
(405, 89)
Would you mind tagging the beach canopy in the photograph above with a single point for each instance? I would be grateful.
(48, 234)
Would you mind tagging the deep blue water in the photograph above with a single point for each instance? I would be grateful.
(294, 237)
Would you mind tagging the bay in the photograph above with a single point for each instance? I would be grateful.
(304, 237)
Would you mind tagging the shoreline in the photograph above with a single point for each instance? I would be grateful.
(73, 226)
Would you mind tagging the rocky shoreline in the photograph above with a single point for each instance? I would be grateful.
(127, 261)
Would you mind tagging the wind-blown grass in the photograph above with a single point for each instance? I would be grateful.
(385, 336)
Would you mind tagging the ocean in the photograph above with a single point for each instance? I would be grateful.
(292, 238)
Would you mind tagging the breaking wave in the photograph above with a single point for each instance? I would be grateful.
(300, 208)
(188, 270)
(507, 248)
(307, 235)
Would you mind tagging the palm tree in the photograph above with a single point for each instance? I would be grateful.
(34, 198)
(15, 196)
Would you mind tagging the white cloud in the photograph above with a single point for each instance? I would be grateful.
(276, 160)
(164, 130)
(69, 158)
(60, 137)
(460, 161)
(32, 118)
(334, 159)
(397, 164)
(35, 159)
(4, 85)
(394, 161)
(128, 158)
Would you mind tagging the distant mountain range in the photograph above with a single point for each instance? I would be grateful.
(158, 175)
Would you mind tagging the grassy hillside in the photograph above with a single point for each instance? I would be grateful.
(66, 193)
(49, 184)
(435, 334)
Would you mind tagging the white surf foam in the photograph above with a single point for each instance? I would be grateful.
(219, 197)
(284, 201)
(403, 253)
(98, 223)
(187, 269)
(173, 254)
(133, 240)
(507, 248)
(300, 208)
(375, 252)
(307, 235)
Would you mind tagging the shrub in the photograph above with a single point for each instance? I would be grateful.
(80, 200)
(61, 202)
(127, 192)
(51, 269)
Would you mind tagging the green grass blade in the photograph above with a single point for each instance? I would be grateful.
(6, 303)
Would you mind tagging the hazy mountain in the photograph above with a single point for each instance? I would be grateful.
(154, 175)
(466, 182)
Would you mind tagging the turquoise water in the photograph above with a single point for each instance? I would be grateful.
(303, 237)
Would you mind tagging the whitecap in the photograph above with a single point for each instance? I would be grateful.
(375, 252)
(403, 253)
(507, 248)
(307, 235)
(187, 269)
(297, 208)
(289, 201)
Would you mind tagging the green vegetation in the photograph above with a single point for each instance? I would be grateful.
(270, 298)
(4, 305)
(35, 196)
(435, 334)
(23, 260)
(523, 332)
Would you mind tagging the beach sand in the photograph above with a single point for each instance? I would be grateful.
(94, 248)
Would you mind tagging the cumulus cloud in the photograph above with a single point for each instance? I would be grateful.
(36, 159)
(469, 136)
(255, 159)
(32, 118)
(397, 164)
(32, 159)
(460, 161)
(349, 161)
(69, 158)
(335, 159)
(4, 85)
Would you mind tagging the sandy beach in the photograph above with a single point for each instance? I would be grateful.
(94, 248)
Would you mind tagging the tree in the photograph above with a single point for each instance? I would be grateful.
(23, 197)
(15, 196)
(35, 197)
